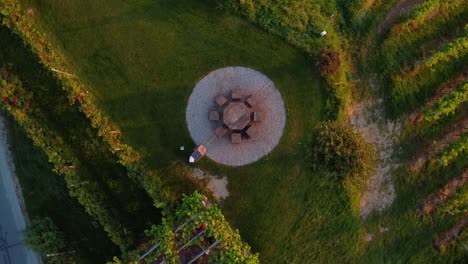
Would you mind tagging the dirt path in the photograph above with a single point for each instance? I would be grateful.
(368, 117)
(403, 8)
(13, 216)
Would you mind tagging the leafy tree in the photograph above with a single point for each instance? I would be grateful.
(43, 236)
(343, 153)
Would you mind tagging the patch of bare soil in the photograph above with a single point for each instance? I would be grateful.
(368, 118)
(446, 238)
(217, 185)
(453, 133)
(401, 9)
(428, 206)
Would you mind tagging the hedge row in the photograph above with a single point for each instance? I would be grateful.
(300, 22)
(428, 21)
(19, 104)
(447, 104)
(17, 19)
(455, 149)
(412, 87)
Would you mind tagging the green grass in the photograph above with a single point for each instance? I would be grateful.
(410, 237)
(46, 194)
(126, 201)
(142, 60)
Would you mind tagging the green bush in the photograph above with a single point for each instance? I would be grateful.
(447, 104)
(455, 149)
(45, 238)
(342, 152)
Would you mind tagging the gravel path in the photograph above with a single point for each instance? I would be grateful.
(13, 216)
(368, 117)
(270, 104)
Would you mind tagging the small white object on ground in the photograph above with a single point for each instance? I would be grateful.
(323, 33)
(191, 159)
(182, 148)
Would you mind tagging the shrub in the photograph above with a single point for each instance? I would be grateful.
(329, 62)
(342, 152)
(455, 149)
(45, 238)
(447, 104)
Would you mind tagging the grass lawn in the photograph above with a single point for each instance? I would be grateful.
(125, 200)
(409, 238)
(46, 194)
(142, 60)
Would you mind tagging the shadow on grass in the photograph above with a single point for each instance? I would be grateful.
(99, 165)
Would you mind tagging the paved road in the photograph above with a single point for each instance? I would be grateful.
(12, 216)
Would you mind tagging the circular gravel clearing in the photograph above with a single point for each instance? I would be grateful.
(269, 103)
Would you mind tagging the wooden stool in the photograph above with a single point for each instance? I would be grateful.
(214, 115)
(236, 94)
(251, 132)
(221, 100)
(220, 131)
(236, 138)
(257, 116)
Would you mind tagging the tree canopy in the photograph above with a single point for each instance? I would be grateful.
(344, 153)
